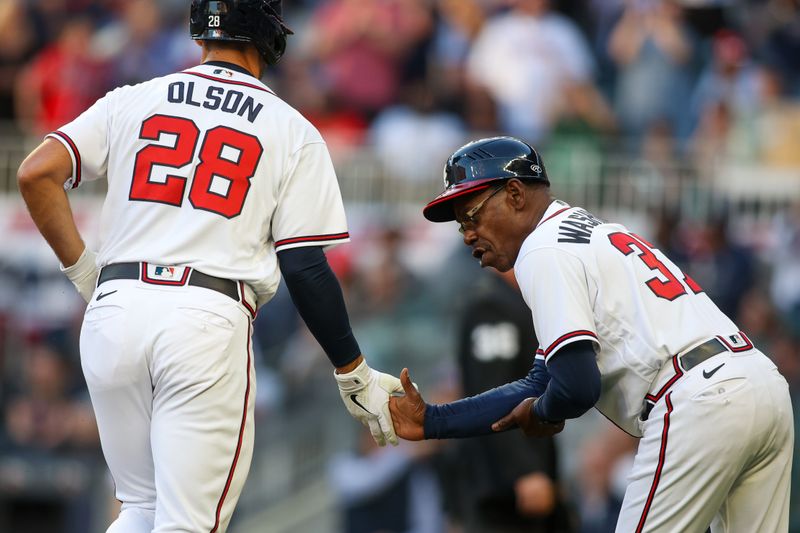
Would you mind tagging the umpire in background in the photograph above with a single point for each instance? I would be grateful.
(505, 483)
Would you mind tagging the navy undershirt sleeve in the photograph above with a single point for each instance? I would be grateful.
(574, 383)
(317, 295)
(474, 416)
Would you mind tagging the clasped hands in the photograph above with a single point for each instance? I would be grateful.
(408, 415)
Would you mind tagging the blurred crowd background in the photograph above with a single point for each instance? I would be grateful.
(679, 118)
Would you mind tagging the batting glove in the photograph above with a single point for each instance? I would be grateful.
(83, 274)
(365, 392)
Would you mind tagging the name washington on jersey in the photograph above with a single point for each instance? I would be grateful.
(216, 98)
(577, 227)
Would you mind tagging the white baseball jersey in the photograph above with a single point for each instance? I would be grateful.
(223, 175)
(585, 279)
(207, 169)
(716, 446)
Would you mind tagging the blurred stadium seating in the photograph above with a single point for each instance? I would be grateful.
(694, 143)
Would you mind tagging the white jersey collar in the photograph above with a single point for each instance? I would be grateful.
(555, 207)
(228, 73)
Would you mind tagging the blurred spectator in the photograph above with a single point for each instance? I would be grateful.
(387, 490)
(508, 482)
(652, 49)
(730, 78)
(343, 129)
(362, 46)
(459, 23)
(413, 138)
(785, 257)
(782, 43)
(42, 414)
(525, 60)
(606, 458)
(140, 46)
(723, 268)
(63, 80)
(17, 43)
(776, 125)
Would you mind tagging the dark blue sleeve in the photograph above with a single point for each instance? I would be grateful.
(317, 295)
(574, 383)
(474, 416)
(540, 377)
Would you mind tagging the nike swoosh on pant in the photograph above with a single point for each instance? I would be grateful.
(103, 295)
(712, 372)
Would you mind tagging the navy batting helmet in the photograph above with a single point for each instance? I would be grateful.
(474, 166)
(251, 21)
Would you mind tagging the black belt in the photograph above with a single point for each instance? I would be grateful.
(688, 361)
(196, 278)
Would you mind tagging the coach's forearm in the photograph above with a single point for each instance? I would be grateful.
(474, 416)
(50, 210)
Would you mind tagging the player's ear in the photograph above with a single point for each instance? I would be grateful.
(516, 193)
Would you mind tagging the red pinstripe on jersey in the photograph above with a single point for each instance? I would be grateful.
(75, 153)
(241, 437)
(678, 373)
(563, 338)
(243, 298)
(553, 215)
(313, 238)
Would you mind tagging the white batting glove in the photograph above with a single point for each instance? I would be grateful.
(365, 392)
(83, 274)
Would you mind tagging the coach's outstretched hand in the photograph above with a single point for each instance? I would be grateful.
(365, 392)
(524, 416)
(408, 411)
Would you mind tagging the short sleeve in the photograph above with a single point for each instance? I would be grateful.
(310, 210)
(555, 286)
(86, 140)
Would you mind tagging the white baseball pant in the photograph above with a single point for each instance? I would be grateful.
(716, 451)
(172, 383)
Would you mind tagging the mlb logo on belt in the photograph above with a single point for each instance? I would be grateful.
(165, 275)
(163, 272)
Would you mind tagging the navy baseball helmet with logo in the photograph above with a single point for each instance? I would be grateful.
(251, 21)
(473, 167)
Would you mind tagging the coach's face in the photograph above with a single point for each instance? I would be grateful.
(489, 223)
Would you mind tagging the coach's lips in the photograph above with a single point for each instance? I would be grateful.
(477, 253)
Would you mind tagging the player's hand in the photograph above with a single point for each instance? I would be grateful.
(524, 417)
(83, 274)
(408, 411)
(365, 392)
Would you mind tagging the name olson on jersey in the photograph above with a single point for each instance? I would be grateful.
(577, 228)
(227, 101)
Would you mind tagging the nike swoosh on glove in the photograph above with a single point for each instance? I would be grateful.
(365, 392)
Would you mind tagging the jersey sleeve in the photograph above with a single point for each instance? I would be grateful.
(310, 211)
(555, 286)
(86, 140)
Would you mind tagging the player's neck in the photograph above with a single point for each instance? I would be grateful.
(250, 62)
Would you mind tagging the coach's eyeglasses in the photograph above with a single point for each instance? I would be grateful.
(470, 217)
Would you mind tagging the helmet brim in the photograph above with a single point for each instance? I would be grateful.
(440, 209)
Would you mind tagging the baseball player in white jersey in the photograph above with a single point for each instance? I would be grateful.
(216, 187)
(621, 328)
